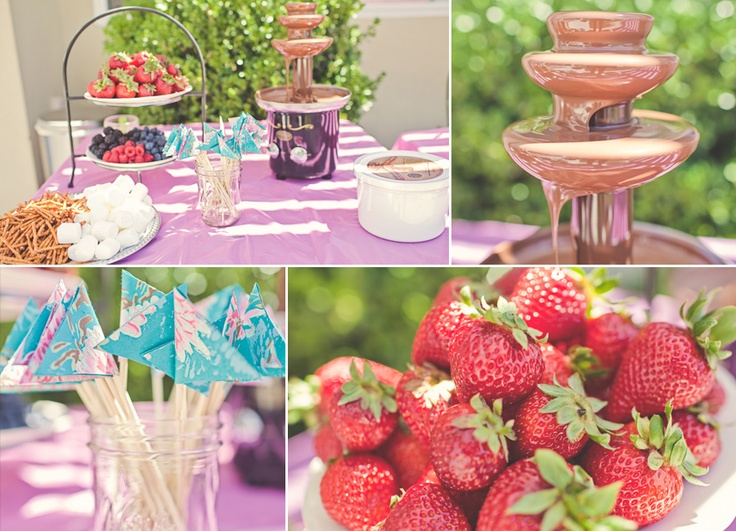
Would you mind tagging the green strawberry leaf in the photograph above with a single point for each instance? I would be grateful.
(535, 502)
(373, 396)
(553, 517)
(712, 330)
(725, 328)
(601, 500)
(505, 313)
(553, 468)
(655, 460)
(488, 425)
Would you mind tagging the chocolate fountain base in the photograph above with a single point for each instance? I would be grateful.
(652, 244)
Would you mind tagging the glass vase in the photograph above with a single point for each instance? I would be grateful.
(153, 474)
(218, 180)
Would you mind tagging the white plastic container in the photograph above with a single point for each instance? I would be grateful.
(403, 196)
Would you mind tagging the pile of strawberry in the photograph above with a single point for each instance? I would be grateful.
(520, 411)
(140, 75)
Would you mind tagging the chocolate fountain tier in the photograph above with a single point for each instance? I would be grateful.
(302, 48)
(599, 31)
(327, 98)
(306, 21)
(652, 244)
(594, 162)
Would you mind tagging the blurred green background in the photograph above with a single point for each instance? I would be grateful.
(490, 91)
(103, 284)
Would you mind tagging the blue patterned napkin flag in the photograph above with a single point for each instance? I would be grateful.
(58, 348)
(169, 334)
(20, 329)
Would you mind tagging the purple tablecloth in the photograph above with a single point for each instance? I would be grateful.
(46, 485)
(301, 453)
(281, 222)
(473, 241)
(434, 141)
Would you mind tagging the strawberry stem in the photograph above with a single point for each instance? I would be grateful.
(506, 314)
(374, 396)
(488, 425)
(711, 330)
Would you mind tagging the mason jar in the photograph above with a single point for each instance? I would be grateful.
(153, 474)
(218, 180)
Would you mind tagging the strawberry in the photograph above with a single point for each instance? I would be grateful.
(180, 83)
(336, 372)
(356, 491)
(545, 492)
(701, 432)
(650, 459)
(470, 502)
(102, 88)
(117, 73)
(550, 300)
(326, 444)
(608, 336)
(408, 457)
(127, 88)
(148, 71)
(422, 395)
(164, 84)
(426, 506)
(469, 447)
(118, 60)
(428, 476)
(507, 282)
(140, 58)
(172, 69)
(556, 364)
(450, 290)
(363, 412)
(560, 419)
(435, 332)
(495, 356)
(715, 398)
(666, 362)
(146, 89)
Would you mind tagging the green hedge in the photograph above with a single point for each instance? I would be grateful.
(235, 40)
(490, 91)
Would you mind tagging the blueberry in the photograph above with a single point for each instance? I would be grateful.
(157, 157)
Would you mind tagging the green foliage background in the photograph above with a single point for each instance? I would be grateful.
(103, 284)
(235, 39)
(490, 91)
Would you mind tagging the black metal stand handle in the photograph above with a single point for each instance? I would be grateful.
(202, 93)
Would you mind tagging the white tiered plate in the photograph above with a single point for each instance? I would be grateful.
(146, 101)
(128, 166)
(701, 509)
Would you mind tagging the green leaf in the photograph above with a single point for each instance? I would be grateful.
(535, 502)
(600, 501)
(725, 329)
(655, 460)
(521, 337)
(553, 468)
(616, 523)
(553, 517)
(656, 431)
(574, 429)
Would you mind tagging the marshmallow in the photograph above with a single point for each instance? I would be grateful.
(69, 232)
(104, 230)
(98, 215)
(72, 253)
(79, 218)
(127, 237)
(147, 200)
(125, 182)
(140, 222)
(148, 213)
(116, 196)
(107, 249)
(86, 229)
(122, 217)
(85, 249)
(139, 191)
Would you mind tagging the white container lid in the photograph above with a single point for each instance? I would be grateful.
(403, 170)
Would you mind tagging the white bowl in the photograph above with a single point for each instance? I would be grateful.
(403, 196)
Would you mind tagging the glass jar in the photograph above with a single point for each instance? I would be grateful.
(218, 179)
(124, 122)
(155, 474)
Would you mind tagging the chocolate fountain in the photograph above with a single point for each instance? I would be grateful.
(303, 118)
(595, 149)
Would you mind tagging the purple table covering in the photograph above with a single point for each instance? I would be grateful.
(473, 241)
(46, 484)
(281, 222)
(434, 141)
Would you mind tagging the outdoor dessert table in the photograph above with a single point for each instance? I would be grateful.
(473, 241)
(288, 222)
(434, 141)
(46, 484)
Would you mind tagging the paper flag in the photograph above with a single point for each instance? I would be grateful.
(255, 335)
(20, 329)
(215, 306)
(172, 337)
(134, 295)
(62, 353)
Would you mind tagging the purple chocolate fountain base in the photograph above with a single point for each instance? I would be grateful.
(303, 146)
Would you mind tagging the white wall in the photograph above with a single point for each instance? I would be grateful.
(411, 46)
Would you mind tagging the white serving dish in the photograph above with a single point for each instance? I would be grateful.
(403, 196)
(701, 508)
(138, 102)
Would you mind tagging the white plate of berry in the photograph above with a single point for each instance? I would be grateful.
(137, 80)
(138, 149)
